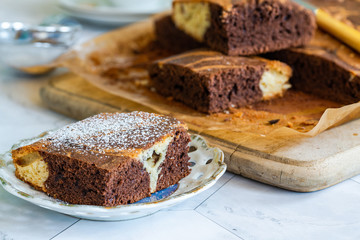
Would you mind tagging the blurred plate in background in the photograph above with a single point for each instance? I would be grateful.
(113, 12)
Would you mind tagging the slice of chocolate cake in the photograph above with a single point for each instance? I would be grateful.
(245, 27)
(108, 159)
(212, 82)
(172, 38)
(324, 67)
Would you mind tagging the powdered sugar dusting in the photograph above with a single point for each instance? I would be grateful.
(114, 132)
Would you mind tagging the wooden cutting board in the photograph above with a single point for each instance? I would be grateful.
(309, 164)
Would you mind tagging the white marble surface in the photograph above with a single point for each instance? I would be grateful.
(235, 208)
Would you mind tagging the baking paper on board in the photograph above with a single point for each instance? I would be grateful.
(116, 62)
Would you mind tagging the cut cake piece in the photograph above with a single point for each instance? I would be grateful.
(245, 27)
(325, 68)
(211, 82)
(108, 159)
(172, 38)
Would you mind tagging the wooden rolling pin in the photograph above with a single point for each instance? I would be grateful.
(338, 29)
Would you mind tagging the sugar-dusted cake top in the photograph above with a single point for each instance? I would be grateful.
(112, 133)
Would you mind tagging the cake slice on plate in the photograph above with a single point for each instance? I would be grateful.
(108, 159)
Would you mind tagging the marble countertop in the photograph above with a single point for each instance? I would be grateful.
(235, 208)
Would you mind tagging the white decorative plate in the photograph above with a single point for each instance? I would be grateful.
(101, 12)
(207, 167)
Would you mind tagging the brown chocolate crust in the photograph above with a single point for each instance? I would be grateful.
(209, 81)
(325, 68)
(172, 38)
(176, 166)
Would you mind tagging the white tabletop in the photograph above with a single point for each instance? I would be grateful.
(235, 208)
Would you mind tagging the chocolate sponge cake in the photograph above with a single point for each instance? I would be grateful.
(325, 68)
(245, 27)
(172, 38)
(108, 159)
(211, 82)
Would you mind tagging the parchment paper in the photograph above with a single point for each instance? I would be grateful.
(116, 62)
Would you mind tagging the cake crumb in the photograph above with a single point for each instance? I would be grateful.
(273, 121)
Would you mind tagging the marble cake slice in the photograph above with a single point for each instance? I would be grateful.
(108, 159)
(325, 67)
(210, 82)
(245, 27)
